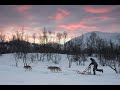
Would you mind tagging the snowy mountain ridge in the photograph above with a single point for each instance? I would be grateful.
(103, 35)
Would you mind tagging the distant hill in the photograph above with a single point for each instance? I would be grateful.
(104, 35)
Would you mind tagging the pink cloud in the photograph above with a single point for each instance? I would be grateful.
(91, 9)
(23, 8)
(96, 19)
(105, 18)
(115, 25)
(28, 16)
(34, 23)
(60, 15)
(109, 28)
(75, 26)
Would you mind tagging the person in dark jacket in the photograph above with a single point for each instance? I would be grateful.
(93, 62)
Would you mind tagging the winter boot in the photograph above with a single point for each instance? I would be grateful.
(102, 70)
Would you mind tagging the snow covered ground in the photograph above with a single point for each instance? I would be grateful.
(40, 75)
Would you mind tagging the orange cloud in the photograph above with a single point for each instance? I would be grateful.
(99, 10)
(75, 26)
(60, 15)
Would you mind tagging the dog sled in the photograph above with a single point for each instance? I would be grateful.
(87, 71)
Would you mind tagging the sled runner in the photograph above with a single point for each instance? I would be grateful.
(87, 71)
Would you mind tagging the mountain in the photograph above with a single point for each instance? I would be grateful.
(104, 35)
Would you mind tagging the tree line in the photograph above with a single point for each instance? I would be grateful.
(50, 46)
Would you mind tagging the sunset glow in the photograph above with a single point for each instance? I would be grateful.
(74, 19)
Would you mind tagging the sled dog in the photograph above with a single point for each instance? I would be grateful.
(28, 67)
(54, 68)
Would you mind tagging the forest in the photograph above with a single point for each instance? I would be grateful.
(50, 46)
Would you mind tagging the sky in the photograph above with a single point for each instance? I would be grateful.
(74, 19)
